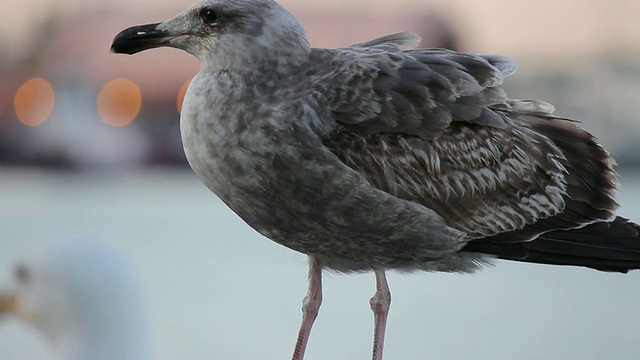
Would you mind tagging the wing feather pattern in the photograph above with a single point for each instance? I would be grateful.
(436, 127)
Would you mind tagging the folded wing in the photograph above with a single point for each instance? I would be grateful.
(436, 127)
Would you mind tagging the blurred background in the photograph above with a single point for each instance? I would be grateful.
(90, 147)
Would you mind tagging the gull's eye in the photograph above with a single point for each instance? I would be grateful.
(22, 274)
(209, 15)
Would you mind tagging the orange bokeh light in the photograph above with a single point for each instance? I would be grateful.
(34, 102)
(119, 102)
(183, 91)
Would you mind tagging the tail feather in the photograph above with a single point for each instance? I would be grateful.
(604, 246)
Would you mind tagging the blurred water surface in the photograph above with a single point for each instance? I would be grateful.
(215, 289)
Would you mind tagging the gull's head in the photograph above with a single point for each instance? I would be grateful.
(81, 296)
(224, 34)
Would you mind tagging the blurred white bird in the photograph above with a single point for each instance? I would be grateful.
(82, 296)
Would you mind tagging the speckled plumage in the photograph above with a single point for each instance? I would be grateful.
(381, 156)
(378, 155)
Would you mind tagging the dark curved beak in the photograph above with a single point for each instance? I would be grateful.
(139, 38)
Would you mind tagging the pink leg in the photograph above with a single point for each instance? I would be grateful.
(380, 303)
(310, 306)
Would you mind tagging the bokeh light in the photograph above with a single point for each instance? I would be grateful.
(183, 91)
(119, 102)
(34, 102)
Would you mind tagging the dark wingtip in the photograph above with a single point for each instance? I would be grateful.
(138, 38)
(606, 246)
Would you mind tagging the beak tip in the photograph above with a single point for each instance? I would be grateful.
(118, 49)
(120, 44)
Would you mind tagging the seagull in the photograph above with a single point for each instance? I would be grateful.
(382, 156)
(82, 297)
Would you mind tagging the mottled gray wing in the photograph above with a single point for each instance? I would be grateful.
(435, 127)
(420, 92)
(401, 41)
